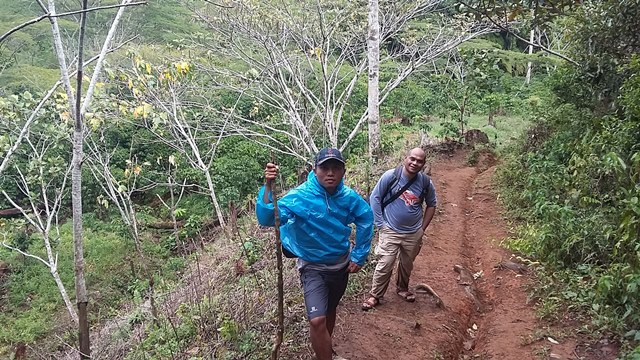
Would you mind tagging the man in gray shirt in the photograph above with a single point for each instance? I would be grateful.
(396, 202)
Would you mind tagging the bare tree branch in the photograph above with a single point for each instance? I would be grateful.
(103, 54)
(510, 31)
(119, 192)
(41, 203)
(25, 253)
(306, 61)
(49, 15)
(218, 5)
(191, 137)
(62, 61)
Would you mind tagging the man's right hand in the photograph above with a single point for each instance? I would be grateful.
(270, 172)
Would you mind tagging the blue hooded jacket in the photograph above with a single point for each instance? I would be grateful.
(315, 225)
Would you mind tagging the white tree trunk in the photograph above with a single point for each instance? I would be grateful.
(82, 299)
(214, 198)
(373, 93)
(103, 53)
(78, 239)
(529, 64)
(62, 61)
(44, 227)
(76, 162)
(63, 292)
(53, 269)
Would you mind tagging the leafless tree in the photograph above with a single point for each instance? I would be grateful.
(174, 104)
(174, 200)
(76, 109)
(43, 188)
(304, 59)
(118, 190)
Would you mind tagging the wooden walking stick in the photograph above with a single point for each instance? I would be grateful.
(280, 330)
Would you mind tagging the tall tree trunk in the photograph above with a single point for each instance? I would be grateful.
(373, 45)
(174, 221)
(133, 225)
(531, 38)
(462, 109)
(214, 198)
(76, 202)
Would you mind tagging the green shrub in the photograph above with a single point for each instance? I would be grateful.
(574, 183)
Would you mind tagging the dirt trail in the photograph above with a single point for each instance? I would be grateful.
(491, 320)
(498, 324)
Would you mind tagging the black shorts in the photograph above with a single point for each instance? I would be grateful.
(322, 290)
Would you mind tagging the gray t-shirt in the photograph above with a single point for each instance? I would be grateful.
(404, 214)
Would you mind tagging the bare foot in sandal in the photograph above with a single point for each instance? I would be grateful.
(370, 303)
(408, 296)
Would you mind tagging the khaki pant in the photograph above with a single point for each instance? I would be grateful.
(391, 245)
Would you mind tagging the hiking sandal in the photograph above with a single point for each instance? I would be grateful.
(408, 296)
(370, 303)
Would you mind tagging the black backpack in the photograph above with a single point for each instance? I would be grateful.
(397, 173)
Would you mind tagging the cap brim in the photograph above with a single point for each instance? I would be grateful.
(328, 159)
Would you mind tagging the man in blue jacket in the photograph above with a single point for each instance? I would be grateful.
(315, 220)
(397, 202)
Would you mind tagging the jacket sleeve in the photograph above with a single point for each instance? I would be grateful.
(375, 200)
(364, 231)
(265, 212)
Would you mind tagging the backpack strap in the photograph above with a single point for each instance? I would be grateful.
(397, 173)
(426, 186)
(395, 179)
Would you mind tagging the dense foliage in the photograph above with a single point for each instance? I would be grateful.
(574, 181)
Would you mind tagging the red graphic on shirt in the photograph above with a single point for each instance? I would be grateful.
(409, 198)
